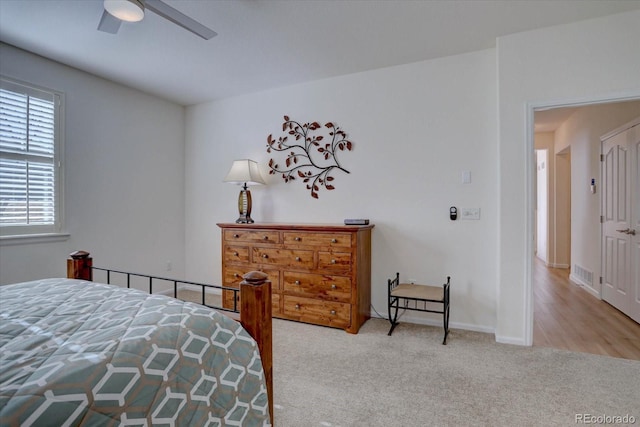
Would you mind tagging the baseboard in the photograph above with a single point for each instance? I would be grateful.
(435, 322)
(553, 265)
(194, 288)
(578, 281)
(511, 340)
(593, 292)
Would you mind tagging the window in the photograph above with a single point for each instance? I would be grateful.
(30, 159)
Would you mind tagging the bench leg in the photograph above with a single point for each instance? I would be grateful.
(393, 319)
(445, 318)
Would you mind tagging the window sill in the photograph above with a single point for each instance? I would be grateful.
(25, 239)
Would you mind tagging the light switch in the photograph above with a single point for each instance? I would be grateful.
(466, 177)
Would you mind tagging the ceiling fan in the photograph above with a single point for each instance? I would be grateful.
(116, 11)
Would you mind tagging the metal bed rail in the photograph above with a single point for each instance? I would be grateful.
(175, 282)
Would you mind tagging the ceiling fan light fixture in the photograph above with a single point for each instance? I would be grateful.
(125, 10)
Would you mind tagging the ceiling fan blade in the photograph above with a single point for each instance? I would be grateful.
(109, 23)
(179, 18)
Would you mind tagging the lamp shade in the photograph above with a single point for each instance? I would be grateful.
(244, 171)
(125, 10)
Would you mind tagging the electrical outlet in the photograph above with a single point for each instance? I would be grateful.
(412, 281)
(470, 213)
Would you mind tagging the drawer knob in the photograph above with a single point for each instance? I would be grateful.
(333, 312)
(297, 258)
(235, 236)
(236, 254)
(265, 256)
(297, 282)
(334, 286)
(297, 239)
(236, 275)
(333, 261)
(334, 240)
(297, 306)
(265, 238)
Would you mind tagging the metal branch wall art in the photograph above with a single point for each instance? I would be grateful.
(309, 157)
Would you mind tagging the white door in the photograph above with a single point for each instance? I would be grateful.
(634, 232)
(621, 225)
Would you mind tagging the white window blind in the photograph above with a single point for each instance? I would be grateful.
(29, 171)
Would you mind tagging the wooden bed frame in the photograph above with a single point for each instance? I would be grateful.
(254, 310)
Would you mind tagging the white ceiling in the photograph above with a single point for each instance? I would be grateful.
(266, 44)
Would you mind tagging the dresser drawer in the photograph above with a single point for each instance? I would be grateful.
(232, 276)
(252, 236)
(327, 313)
(334, 261)
(290, 258)
(276, 310)
(236, 254)
(323, 240)
(332, 288)
(227, 301)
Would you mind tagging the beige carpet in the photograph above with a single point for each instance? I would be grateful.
(326, 377)
(210, 299)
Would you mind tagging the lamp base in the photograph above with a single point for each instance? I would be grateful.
(244, 206)
(244, 220)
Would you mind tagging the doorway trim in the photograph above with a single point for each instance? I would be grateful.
(530, 108)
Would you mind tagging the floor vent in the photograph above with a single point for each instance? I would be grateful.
(583, 274)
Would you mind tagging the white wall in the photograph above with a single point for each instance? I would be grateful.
(415, 128)
(542, 204)
(546, 207)
(590, 60)
(124, 165)
(558, 203)
(582, 131)
(562, 214)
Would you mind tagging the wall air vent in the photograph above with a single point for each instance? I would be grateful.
(584, 276)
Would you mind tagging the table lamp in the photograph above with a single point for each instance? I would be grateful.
(244, 172)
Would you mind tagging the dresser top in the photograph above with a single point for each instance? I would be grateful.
(296, 226)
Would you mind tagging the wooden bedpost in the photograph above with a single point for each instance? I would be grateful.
(255, 316)
(79, 266)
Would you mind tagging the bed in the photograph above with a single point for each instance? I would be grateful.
(74, 352)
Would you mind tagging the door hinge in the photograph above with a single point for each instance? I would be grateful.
(601, 219)
(602, 157)
(601, 280)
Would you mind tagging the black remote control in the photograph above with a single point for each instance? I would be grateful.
(356, 221)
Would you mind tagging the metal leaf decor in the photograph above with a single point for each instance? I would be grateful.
(309, 158)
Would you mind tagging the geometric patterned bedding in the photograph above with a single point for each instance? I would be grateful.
(81, 353)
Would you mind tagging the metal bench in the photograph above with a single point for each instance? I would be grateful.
(410, 296)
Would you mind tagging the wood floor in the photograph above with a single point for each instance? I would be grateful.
(567, 317)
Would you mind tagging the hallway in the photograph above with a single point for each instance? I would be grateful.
(568, 317)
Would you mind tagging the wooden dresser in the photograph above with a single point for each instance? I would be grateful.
(320, 274)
